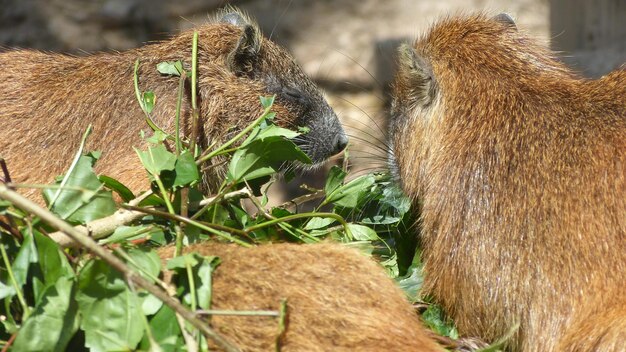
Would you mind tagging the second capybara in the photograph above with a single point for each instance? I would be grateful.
(517, 166)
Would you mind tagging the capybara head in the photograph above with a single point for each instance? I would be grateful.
(249, 65)
(464, 73)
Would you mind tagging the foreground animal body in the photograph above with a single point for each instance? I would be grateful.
(518, 168)
(337, 299)
(48, 100)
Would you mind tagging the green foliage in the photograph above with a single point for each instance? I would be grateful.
(434, 319)
(111, 314)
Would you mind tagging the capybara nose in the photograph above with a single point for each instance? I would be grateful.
(341, 143)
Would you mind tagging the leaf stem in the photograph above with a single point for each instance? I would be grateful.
(239, 135)
(197, 224)
(194, 93)
(181, 89)
(72, 166)
(337, 217)
(149, 120)
(192, 287)
(18, 290)
(242, 313)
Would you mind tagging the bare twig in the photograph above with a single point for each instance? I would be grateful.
(114, 262)
(5, 171)
(101, 228)
(240, 313)
(303, 199)
(241, 193)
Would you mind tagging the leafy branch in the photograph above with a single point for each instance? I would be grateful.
(131, 275)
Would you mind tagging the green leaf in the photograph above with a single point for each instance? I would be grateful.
(157, 159)
(348, 195)
(20, 266)
(261, 158)
(4, 204)
(334, 180)
(145, 261)
(434, 319)
(165, 331)
(267, 102)
(148, 101)
(150, 304)
(129, 233)
(318, 223)
(412, 283)
(53, 322)
(81, 207)
(303, 129)
(157, 137)
(204, 284)
(182, 261)
(362, 233)
(174, 68)
(390, 263)
(53, 263)
(27, 254)
(116, 186)
(202, 268)
(112, 314)
(6, 291)
(186, 169)
(275, 131)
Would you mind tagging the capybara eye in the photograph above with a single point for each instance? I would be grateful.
(293, 94)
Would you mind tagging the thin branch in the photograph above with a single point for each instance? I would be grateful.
(5, 171)
(240, 313)
(303, 199)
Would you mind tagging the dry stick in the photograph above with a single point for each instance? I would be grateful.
(114, 262)
(10, 226)
(101, 228)
(5, 171)
(303, 199)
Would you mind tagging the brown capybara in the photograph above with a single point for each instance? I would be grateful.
(518, 168)
(48, 100)
(337, 299)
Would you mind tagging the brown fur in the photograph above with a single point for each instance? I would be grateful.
(518, 167)
(337, 299)
(48, 100)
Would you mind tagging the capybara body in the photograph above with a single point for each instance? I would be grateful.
(337, 299)
(518, 168)
(48, 100)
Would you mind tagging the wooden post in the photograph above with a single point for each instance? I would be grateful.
(591, 34)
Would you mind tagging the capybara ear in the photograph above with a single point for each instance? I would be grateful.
(235, 18)
(417, 75)
(506, 19)
(241, 59)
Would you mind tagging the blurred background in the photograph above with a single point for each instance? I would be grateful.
(347, 46)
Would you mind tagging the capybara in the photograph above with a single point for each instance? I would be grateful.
(517, 167)
(337, 299)
(47, 100)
